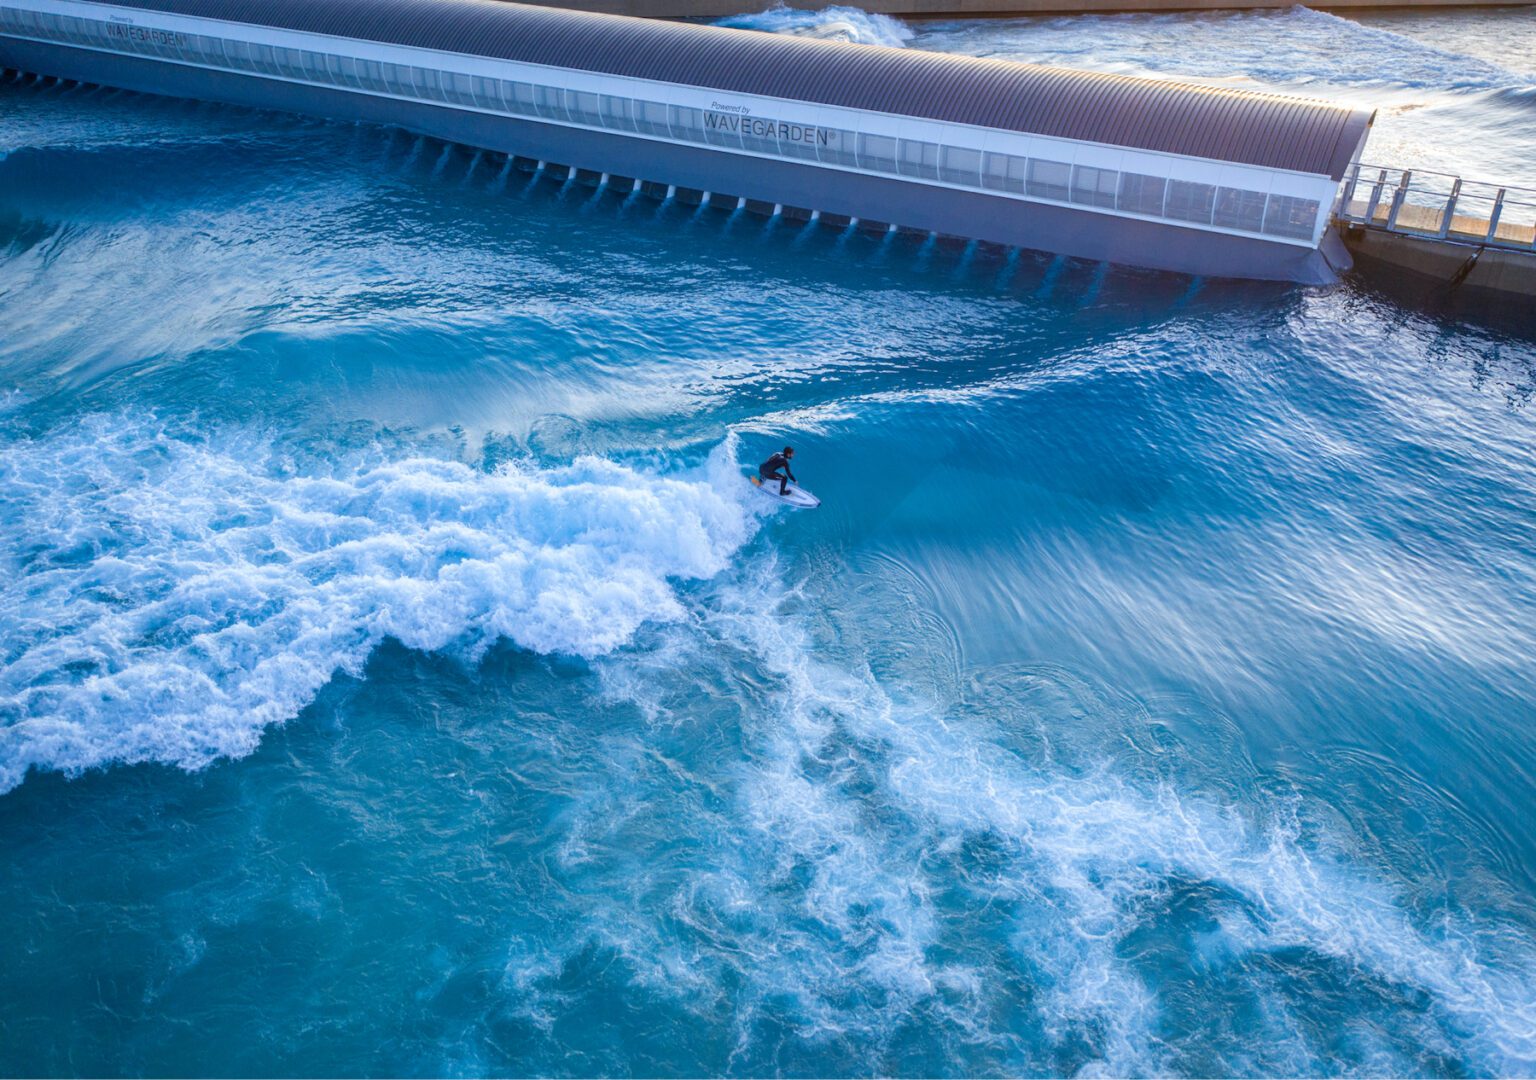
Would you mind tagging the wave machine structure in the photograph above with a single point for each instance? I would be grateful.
(1198, 179)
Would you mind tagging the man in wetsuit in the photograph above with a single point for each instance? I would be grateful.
(769, 470)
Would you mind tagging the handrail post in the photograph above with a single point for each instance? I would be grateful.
(1450, 208)
(1370, 207)
(1493, 218)
(1349, 192)
(1398, 198)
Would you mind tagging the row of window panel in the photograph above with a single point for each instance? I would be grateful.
(1154, 196)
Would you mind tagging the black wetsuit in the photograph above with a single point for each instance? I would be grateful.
(769, 470)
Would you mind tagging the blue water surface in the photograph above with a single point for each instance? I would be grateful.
(397, 674)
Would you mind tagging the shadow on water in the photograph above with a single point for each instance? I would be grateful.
(1506, 314)
(474, 276)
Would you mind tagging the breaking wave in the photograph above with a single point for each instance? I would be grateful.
(835, 23)
(897, 865)
(1293, 49)
(168, 596)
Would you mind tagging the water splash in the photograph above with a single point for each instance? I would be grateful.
(897, 857)
(837, 23)
(169, 595)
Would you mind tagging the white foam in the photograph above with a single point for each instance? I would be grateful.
(835, 23)
(167, 597)
(861, 798)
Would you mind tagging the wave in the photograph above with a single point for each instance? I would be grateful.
(876, 864)
(901, 868)
(169, 595)
(836, 23)
(1398, 59)
(1297, 49)
(1521, 97)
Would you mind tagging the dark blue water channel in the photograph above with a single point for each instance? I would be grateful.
(398, 676)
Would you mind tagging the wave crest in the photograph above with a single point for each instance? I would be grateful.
(836, 23)
(170, 596)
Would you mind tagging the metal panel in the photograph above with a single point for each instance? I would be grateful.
(1062, 229)
(1199, 121)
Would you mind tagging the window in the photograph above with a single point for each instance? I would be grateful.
(837, 147)
(760, 134)
(960, 166)
(213, 50)
(651, 118)
(1094, 187)
(548, 104)
(1005, 172)
(584, 108)
(1049, 179)
(1239, 209)
(919, 159)
(306, 65)
(518, 97)
(159, 44)
(460, 87)
(354, 71)
(1189, 201)
(797, 140)
(1141, 194)
(722, 128)
(686, 123)
(616, 113)
(329, 69)
(877, 152)
(1290, 216)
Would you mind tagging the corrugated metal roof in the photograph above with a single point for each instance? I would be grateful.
(1150, 114)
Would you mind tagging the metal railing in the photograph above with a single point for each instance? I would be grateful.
(1422, 203)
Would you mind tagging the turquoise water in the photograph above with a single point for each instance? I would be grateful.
(397, 676)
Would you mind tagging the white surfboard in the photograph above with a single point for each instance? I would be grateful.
(794, 495)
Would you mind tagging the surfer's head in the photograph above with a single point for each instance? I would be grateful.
(789, 451)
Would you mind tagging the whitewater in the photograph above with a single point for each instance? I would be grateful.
(174, 596)
(398, 674)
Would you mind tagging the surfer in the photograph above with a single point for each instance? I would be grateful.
(769, 470)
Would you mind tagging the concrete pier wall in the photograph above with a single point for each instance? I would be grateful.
(1494, 271)
(676, 9)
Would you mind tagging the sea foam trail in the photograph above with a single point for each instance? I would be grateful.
(902, 860)
(167, 597)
